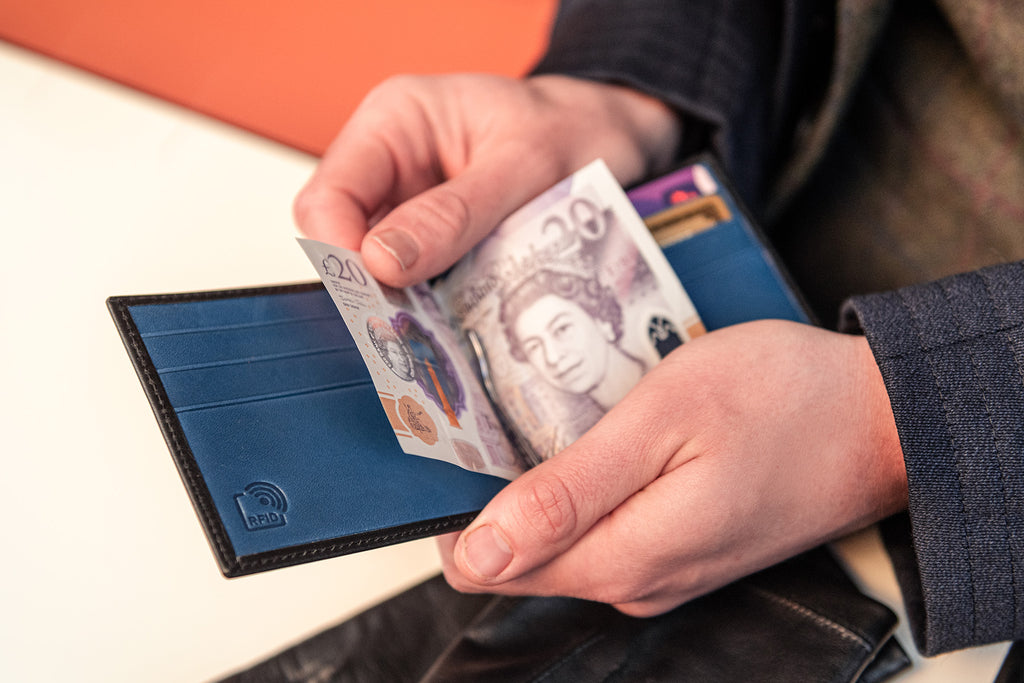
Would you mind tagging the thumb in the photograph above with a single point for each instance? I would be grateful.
(429, 232)
(547, 509)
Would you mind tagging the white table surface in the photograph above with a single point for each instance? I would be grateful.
(106, 575)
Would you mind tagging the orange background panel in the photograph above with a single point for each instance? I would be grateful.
(291, 70)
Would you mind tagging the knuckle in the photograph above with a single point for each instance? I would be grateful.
(393, 89)
(319, 201)
(549, 509)
(386, 88)
(303, 206)
(444, 213)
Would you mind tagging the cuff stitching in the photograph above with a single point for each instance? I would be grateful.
(1000, 441)
(927, 353)
(1003, 330)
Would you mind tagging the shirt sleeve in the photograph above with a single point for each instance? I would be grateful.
(952, 357)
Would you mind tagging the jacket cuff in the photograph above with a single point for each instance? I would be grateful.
(952, 357)
(713, 61)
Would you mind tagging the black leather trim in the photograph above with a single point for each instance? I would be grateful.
(231, 564)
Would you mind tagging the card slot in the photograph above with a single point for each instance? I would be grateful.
(228, 345)
(722, 242)
(255, 359)
(268, 397)
(738, 287)
(237, 326)
(239, 310)
(244, 381)
(719, 264)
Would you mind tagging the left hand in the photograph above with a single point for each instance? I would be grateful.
(428, 165)
(741, 448)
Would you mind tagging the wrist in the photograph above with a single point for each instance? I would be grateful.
(882, 435)
(637, 135)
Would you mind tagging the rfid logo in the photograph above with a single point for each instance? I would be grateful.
(262, 506)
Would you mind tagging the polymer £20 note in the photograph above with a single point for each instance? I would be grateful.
(572, 301)
(424, 380)
(529, 339)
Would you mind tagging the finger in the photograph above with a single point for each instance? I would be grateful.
(384, 154)
(546, 510)
(446, 545)
(639, 558)
(426, 234)
(445, 549)
(349, 187)
(684, 535)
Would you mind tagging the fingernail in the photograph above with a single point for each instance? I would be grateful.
(487, 553)
(400, 245)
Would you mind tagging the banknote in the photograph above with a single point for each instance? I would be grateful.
(425, 381)
(571, 302)
(528, 340)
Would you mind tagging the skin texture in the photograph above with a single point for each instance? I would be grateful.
(434, 163)
(741, 448)
(745, 446)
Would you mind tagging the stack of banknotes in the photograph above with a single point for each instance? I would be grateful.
(531, 337)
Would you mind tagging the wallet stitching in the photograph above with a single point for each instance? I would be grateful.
(150, 299)
(233, 327)
(169, 419)
(276, 556)
(817, 618)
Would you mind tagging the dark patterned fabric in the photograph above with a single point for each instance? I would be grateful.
(904, 165)
(951, 353)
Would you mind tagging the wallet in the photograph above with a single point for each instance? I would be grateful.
(277, 431)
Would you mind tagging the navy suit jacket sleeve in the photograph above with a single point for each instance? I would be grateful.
(952, 356)
(733, 69)
(952, 353)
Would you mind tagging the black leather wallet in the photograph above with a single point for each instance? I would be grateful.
(278, 433)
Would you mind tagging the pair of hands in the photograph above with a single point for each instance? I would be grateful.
(741, 448)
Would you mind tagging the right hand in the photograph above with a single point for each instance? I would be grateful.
(741, 448)
(427, 166)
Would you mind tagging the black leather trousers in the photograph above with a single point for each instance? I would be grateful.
(802, 620)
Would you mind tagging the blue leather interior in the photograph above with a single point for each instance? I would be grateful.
(731, 275)
(272, 389)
